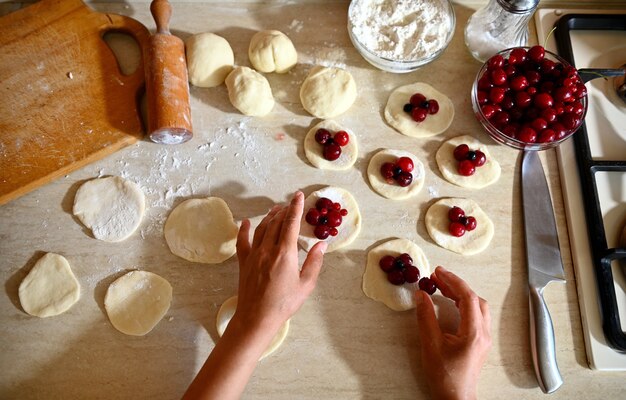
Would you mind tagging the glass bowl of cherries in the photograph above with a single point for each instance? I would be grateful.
(529, 98)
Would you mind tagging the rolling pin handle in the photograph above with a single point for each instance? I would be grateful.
(161, 12)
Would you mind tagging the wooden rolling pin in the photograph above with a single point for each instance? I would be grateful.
(167, 87)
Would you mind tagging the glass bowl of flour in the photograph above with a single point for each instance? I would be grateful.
(400, 35)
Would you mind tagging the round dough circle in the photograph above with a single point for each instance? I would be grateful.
(272, 51)
(202, 231)
(249, 92)
(225, 314)
(349, 228)
(327, 92)
(484, 176)
(209, 59)
(314, 150)
(50, 288)
(395, 191)
(473, 242)
(375, 283)
(111, 207)
(137, 301)
(402, 121)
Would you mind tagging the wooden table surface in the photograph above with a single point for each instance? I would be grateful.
(342, 345)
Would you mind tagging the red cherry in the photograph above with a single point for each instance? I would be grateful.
(323, 202)
(396, 277)
(343, 212)
(559, 129)
(332, 151)
(501, 118)
(386, 170)
(455, 213)
(417, 99)
(569, 120)
(517, 56)
(533, 77)
(460, 152)
(337, 206)
(405, 163)
(341, 138)
(387, 263)
(547, 66)
(507, 102)
(546, 136)
(480, 159)
(428, 285)
(496, 94)
(433, 106)
(563, 94)
(456, 229)
(519, 83)
(578, 108)
(549, 114)
(498, 77)
(581, 91)
(488, 110)
(466, 168)
(484, 83)
(334, 232)
(313, 216)
(333, 219)
(411, 274)
(321, 232)
(406, 259)
(404, 179)
(482, 97)
(536, 53)
(539, 124)
(322, 135)
(527, 135)
(510, 70)
(531, 90)
(470, 223)
(419, 114)
(543, 100)
(494, 62)
(522, 99)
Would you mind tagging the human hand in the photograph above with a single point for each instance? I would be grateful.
(271, 286)
(452, 362)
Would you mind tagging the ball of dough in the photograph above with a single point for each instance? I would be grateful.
(209, 59)
(202, 231)
(375, 283)
(272, 51)
(350, 225)
(393, 190)
(225, 314)
(327, 92)
(50, 288)
(484, 176)
(314, 151)
(402, 121)
(111, 207)
(249, 92)
(137, 301)
(472, 242)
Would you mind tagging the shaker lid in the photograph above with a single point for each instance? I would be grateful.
(519, 6)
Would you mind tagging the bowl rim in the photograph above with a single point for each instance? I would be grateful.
(504, 138)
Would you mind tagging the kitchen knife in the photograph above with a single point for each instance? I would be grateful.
(544, 266)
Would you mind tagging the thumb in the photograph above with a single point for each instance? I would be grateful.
(427, 325)
(313, 264)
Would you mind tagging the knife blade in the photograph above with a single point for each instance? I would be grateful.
(544, 266)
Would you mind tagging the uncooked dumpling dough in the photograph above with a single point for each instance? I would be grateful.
(402, 121)
(484, 176)
(327, 92)
(137, 301)
(225, 314)
(472, 242)
(375, 283)
(50, 288)
(272, 51)
(202, 231)
(249, 92)
(314, 151)
(350, 225)
(393, 190)
(209, 59)
(111, 207)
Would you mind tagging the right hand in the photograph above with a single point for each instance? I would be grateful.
(452, 362)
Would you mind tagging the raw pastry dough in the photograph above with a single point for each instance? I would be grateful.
(50, 288)
(473, 242)
(402, 121)
(209, 59)
(226, 312)
(249, 92)
(202, 230)
(395, 191)
(484, 176)
(375, 283)
(349, 228)
(272, 51)
(314, 150)
(111, 207)
(327, 92)
(137, 301)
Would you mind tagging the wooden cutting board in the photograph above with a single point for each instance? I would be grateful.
(63, 100)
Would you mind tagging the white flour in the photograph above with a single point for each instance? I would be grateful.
(401, 29)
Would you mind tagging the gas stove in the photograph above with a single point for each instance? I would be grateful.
(593, 176)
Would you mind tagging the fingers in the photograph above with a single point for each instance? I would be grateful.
(291, 223)
(466, 300)
(243, 241)
(427, 325)
(272, 233)
(484, 309)
(259, 232)
(313, 265)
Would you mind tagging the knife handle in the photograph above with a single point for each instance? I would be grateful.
(542, 343)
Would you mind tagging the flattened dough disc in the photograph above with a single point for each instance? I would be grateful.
(485, 175)
(395, 191)
(315, 152)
